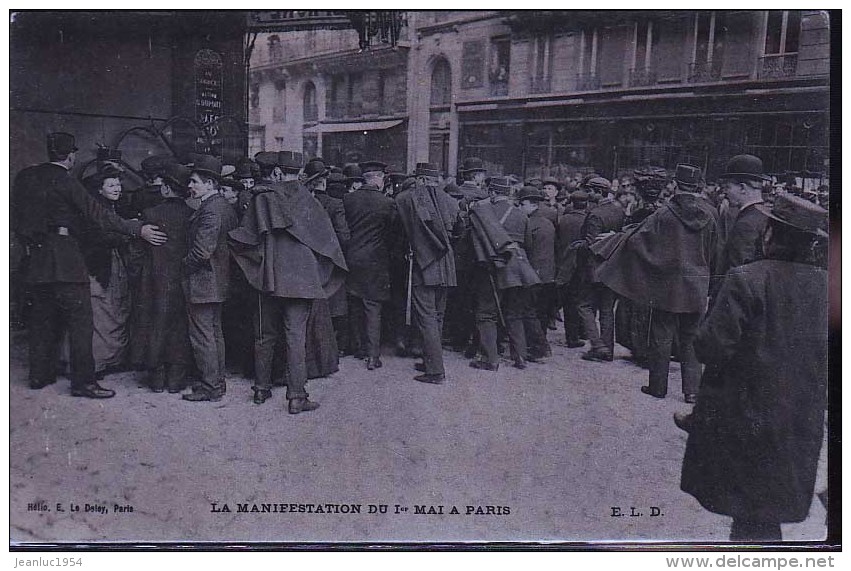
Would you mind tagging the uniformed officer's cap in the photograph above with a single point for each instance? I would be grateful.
(472, 164)
(427, 169)
(531, 193)
(290, 161)
(61, 143)
(499, 185)
(352, 173)
(687, 176)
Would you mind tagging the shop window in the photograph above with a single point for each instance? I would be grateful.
(441, 84)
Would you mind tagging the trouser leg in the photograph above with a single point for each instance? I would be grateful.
(486, 316)
(572, 320)
(689, 365)
(606, 305)
(75, 304)
(588, 313)
(515, 308)
(44, 331)
(426, 304)
(662, 327)
(372, 327)
(204, 330)
(295, 314)
(537, 319)
(356, 325)
(267, 331)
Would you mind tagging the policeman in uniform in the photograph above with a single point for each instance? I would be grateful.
(50, 208)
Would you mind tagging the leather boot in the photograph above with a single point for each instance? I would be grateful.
(302, 405)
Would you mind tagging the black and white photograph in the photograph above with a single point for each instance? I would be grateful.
(412, 278)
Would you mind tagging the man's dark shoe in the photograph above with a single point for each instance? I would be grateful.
(597, 355)
(374, 363)
(431, 379)
(574, 344)
(646, 390)
(157, 380)
(302, 405)
(420, 367)
(690, 398)
(683, 421)
(92, 391)
(262, 395)
(519, 364)
(536, 359)
(37, 385)
(203, 394)
(484, 365)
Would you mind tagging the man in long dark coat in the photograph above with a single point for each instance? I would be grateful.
(370, 216)
(757, 428)
(665, 264)
(331, 200)
(162, 305)
(429, 217)
(287, 249)
(568, 266)
(50, 209)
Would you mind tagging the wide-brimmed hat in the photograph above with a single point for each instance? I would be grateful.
(744, 167)
(797, 212)
(290, 161)
(472, 164)
(687, 176)
(529, 192)
(177, 175)
(353, 173)
(207, 165)
(427, 169)
(372, 166)
(315, 168)
(61, 143)
(499, 185)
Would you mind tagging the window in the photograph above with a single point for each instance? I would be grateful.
(472, 64)
(441, 84)
(542, 64)
(782, 36)
(500, 65)
(588, 78)
(311, 113)
(254, 97)
(782, 32)
(708, 50)
(279, 109)
(276, 50)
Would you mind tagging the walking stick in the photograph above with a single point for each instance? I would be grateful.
(410, 276)
(496, 299)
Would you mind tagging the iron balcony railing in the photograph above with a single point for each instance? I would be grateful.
(704, 71)
(587, 82)
(642, 76)
(777, 66)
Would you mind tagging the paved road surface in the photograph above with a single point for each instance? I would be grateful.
(560, 445)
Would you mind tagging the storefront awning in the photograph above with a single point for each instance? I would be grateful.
(357, 126)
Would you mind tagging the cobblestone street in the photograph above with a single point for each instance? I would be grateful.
(560, 445)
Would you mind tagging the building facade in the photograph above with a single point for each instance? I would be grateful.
(556, 93)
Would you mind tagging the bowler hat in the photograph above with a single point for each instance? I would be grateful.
(233, 183)
(207, 165)
(61, 143)
(797, 212)
(290, 161)
(155, 164)
(177, 175)
(427, 169)
(266, 159)
(315, 168)
(499, 185)
(531, 193)
(243, 169)
(372, 166)
(551, 181)
(472, 164)
(687, 176)
(744, 167)
(353, 173)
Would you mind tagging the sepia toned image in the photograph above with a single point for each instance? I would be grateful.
(461, 277)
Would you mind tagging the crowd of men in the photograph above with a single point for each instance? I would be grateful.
(336, 261)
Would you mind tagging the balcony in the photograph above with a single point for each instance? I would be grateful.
(777, 66)
(541, 85)
(344, 109)
(587, 82)
(704, 71)
(641, 77)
